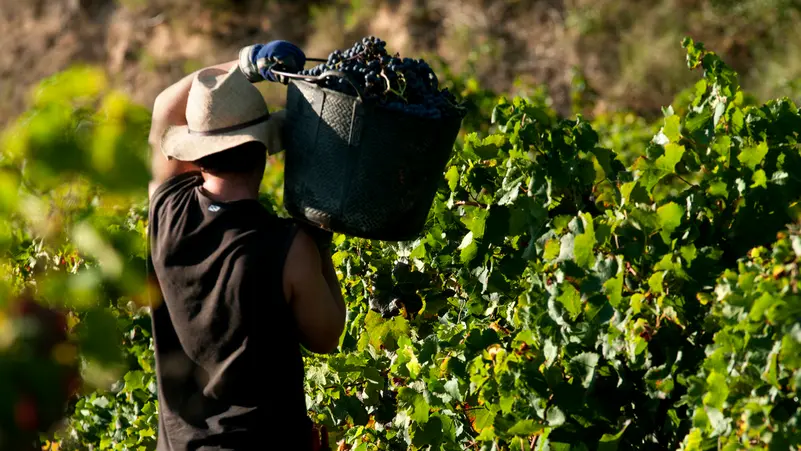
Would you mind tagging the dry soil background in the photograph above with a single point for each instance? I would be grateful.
(628, 50)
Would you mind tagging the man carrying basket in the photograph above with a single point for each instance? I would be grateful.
(241, 289)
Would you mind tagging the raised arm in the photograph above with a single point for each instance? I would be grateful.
(255, 61)
(169, 109)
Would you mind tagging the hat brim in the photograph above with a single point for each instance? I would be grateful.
(181, 145)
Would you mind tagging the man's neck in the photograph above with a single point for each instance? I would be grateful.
(228, 190)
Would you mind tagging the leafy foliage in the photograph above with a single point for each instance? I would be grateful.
(72, 174)
(579, 286)
(563, 311)
(746, 392)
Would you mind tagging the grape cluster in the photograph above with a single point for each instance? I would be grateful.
(401, 84)
(396, 289)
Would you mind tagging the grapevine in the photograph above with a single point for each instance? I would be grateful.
(594, 285)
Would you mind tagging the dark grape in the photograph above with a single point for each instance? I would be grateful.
(387, 407)
(412, 302)
(379, 304)
(401, 271)
(400, 84)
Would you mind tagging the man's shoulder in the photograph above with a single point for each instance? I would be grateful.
(176, 184)
(277, 228)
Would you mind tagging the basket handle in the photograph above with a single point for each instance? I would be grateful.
(321, 77)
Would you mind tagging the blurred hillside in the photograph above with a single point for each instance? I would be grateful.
(627, 54)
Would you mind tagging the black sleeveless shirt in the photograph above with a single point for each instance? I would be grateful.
(228, 362)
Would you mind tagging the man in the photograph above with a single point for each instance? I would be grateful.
(241, 289)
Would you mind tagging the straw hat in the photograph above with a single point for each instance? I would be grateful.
(224, 110)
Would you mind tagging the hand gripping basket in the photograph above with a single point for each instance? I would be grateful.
(360, 169)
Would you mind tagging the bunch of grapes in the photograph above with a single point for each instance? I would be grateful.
(400, 84)
(396, 289)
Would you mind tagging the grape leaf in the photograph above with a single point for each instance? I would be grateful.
(555, 417)
(613, 289)
(452, 176)
(670, 216)
(760, 179)
(468, 247)
(752, 156)
(485, 148)
(483, 419)
(410, 399)
(651, 173)
(476, 221)
(672, 128)
(582, 367)
(717, 392)
(525, 428)
(610, 442)
(570, 298)
(584, 243)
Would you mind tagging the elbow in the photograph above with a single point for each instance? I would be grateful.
(327, 342)
(330, 345)
(167, 108)
(159, 106)
(158, 120)
(328, 348)
(322, 346)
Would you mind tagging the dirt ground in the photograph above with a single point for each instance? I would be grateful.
(144, 45)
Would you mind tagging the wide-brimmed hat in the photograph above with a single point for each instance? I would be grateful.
(223, 110)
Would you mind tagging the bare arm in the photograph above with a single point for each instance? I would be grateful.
(313, 292)
(330, 275)
(169, 109)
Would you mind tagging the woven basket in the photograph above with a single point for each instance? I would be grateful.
(361, 170)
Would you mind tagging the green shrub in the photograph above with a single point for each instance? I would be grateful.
(746, 392)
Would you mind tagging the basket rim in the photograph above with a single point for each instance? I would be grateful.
(376, 106)
(329, 90)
